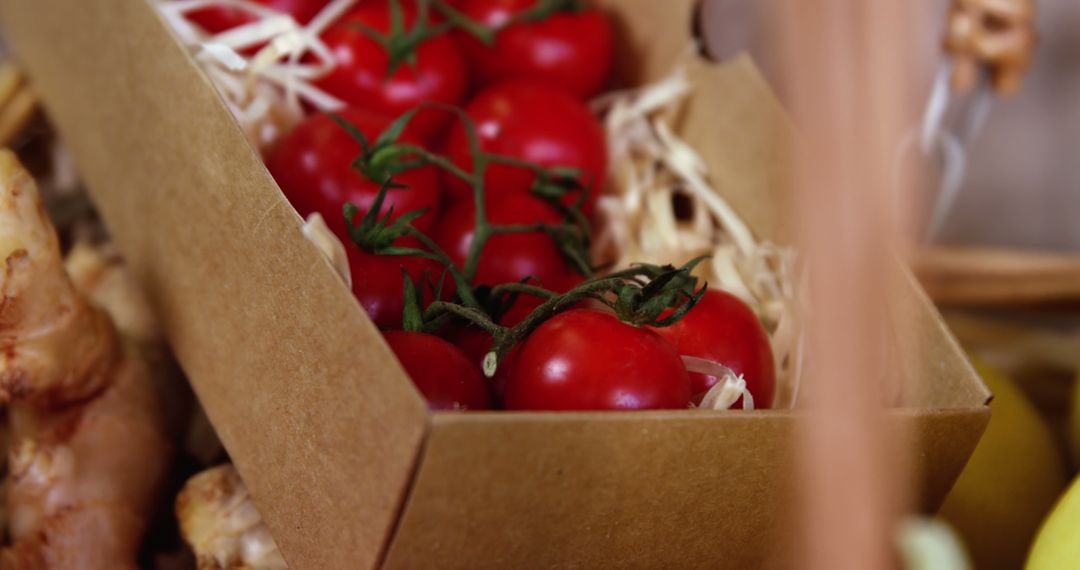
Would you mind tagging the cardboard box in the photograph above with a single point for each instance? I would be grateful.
(348, 467)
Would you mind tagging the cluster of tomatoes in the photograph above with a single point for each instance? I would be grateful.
(525, 96)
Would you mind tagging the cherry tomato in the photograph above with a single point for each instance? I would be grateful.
(723, 329)
(215, 19)
(508, 258)
(590, 360)
(312, 164)
(378, 284)
(360, 76)
(441, 372)
(476, 343)
(570, 50)
(533, 122)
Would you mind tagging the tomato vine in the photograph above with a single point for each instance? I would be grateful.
(639, 295)
(401, 41)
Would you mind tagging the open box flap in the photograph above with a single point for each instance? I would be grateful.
(306, 397)
(732, 118)
(939, 374)
(651, 35)
(742, 133)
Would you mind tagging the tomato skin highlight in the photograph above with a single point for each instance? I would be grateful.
(589, 360)
(723, 329)
(360, 76)
(533, 122)
(508, 258)
(441, 372)
(570, 50)
(313, 166)
(216, 19)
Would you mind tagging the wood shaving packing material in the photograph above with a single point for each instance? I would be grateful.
(265, 91)
(640, 220)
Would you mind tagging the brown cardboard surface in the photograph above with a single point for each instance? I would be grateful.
(319, 418)
(643, 490)
(939, 375)
(651, 35)
(738, 126)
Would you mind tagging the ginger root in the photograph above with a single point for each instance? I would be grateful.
(222, 525)
(89, 451)
(101, 277)
(43, 320)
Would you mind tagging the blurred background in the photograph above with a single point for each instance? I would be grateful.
(1005, 271)
(1023, 183)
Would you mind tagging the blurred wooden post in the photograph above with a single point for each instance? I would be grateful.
(846, 77)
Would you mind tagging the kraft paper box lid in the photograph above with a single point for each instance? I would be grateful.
(346, 464)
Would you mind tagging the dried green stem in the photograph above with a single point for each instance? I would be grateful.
(540, 292)
(541, 10)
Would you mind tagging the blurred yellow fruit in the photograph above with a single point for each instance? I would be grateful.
(1057, 546)
(1011, 481)
(1074, 423)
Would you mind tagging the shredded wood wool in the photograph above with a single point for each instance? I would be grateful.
(265, 90)
(661, 208)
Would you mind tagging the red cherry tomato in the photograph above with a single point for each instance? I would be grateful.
(378, 284)
(502, 375)
(589, 360)
(441, 372)
(508, 258)
(360, 76)
(723, 329)
(215, 19)
(312, 164)
(533, 122)
(476, 343)
(570, 50)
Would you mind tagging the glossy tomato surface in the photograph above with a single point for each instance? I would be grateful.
(476, 343)
(312, 164)
(508, 258)
(378, 283)
(533, 122)
(216, 19)
(723, 329)
(589, 360)
(570, 50)
(441, 372)
(360, 76)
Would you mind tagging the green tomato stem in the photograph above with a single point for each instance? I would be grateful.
(499, 290)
